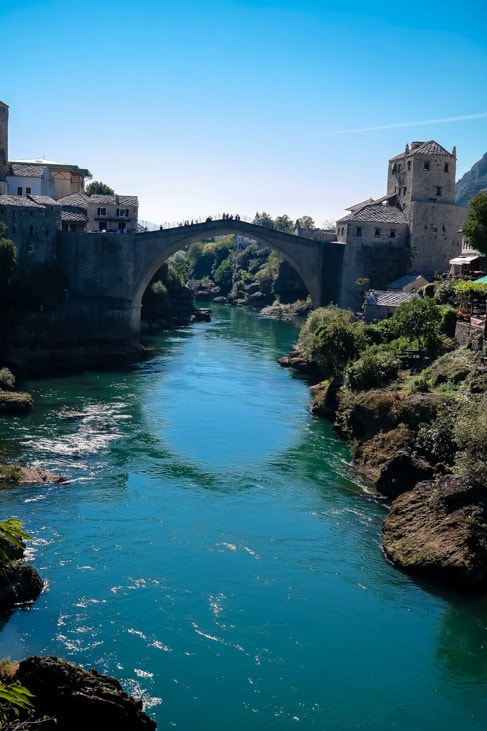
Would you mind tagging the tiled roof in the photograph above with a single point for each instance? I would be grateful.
(18, 200)
(379, 214)
(424, 148)
(72, 215)
(387, 299)
(75, 199)
(44, 200)
(114, 200)
(22, 170)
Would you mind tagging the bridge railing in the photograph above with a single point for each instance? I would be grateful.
(191, 221)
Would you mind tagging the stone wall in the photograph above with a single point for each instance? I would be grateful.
(435, 236)
(32, 228)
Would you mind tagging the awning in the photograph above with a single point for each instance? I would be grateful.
(464, 259)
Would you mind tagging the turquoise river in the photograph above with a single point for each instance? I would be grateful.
(213, 550)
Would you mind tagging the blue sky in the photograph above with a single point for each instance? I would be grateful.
(284, 106)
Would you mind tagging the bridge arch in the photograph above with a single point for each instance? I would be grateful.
(154, 247)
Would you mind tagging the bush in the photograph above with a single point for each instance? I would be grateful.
(7, 379)
(470, 434)
(436, 439)
(331, 339)
(371, 370)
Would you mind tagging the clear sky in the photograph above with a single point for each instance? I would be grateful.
(284, 106)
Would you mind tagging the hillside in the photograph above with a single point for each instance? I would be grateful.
(472, 182)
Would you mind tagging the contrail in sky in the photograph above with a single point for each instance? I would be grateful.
(463, 118)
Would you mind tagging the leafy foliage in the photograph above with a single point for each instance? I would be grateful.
(436, 439)
(331, 339)
(475, 226)
(470, 434)
(11, 530)
(374, 368)
(13, 697)
(99, 188)
(7, 379)
(420, 320)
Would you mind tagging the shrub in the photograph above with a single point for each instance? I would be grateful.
(7, 379)
(331, 339)
(471, 436)
(371, 370)
(436, 439)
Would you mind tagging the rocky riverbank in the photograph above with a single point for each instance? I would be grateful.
(437, 523)
(68, 698)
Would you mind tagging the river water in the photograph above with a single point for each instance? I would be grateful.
(214, 552)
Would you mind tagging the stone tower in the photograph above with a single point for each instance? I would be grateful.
(422, 182)
(3, 142)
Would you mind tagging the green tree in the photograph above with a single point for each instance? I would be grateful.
(305, 222)
(470, 435)
(284, 223)
(96, 187)
(475, 226)
(263, 219)
(418, 319)
(331, 339)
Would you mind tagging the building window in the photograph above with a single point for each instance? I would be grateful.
(31, 229)
(404, 190)
(101, 212)
(377, 233)
(14, 230)
(19, 191)
(447, 167)
(123, 212)
(358, 231)
(102, 226)
(399, 168)
(392, 234)
(438, 190)
(27, 191)
(409, 164)
(426, 166)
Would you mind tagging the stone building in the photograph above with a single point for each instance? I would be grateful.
(97, 213)
(33, 223)
(63, 178)
(415, 228)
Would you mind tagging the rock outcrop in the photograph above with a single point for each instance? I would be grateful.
(79, 700)
(439, 530)
(19, 582)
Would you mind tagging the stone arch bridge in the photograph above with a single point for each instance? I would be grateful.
(108, 273)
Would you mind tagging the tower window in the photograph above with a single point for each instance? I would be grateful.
(438, 190)
(358, 231)
(409, 164)
(426, 166)
(404, 190)
(447, 167)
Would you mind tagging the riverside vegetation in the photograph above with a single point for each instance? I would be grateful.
(412, 402)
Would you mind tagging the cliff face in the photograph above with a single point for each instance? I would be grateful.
(472, 182)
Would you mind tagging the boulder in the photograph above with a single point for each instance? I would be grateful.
(19, 584)
(439, 530)
(79, 699)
